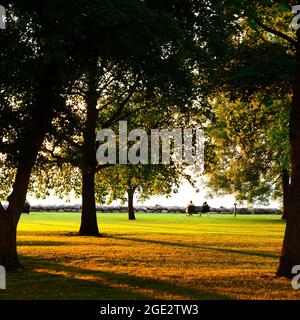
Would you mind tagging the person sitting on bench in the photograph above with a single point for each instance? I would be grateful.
(190, 209)
(205, 208)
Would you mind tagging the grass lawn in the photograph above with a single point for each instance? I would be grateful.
(157, 256)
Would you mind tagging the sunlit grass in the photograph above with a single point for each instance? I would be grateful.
(155, 257)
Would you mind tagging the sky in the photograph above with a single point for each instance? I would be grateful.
(186, 193)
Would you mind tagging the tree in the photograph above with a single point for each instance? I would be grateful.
(249, 142)
(46, 33)
(32, 85)
(263, 16)
(125, 98)
(123, 181)
(169, 77)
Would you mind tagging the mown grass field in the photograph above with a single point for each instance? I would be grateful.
(155, 257)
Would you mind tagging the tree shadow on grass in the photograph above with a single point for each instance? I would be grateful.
(102, 285)
(190, 246)
(43, 243)
(31, 285)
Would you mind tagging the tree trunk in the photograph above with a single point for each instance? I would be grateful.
(89, 225)
(31, 144)
(131, 214)
(285, 192)
(290, 255)
(8, 244)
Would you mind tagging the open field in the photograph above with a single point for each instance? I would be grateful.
(155, 257)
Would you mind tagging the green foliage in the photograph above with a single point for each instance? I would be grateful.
(250, 134)
(146, 180)
(147, 77)
(249, 147)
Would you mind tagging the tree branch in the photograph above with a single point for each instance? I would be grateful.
(116, 116)
(103, 166)
(276, 33)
